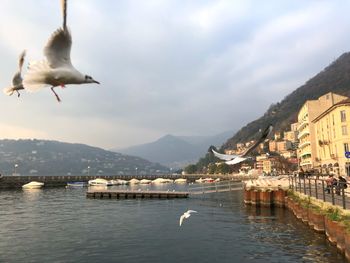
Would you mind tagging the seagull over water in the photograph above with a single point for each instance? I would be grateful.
(186, 215)
(56, 69)
(17, 78)
(234, 158)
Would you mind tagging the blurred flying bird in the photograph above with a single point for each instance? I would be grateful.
(17, 78)
(234, 158)
(186, 215)
(56, 69)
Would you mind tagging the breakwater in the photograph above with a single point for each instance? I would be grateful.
(7, 182)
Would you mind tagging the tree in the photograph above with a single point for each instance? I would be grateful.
(223, 168)
(191, 169)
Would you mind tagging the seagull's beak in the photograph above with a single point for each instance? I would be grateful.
(95, 81)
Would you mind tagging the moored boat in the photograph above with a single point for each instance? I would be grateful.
(100, 182)
(145, 181)
(33, 185)
(181, 181)
(134, 181)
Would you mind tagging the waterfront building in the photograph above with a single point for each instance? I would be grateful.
(294, 127)
(291, 136)
(277, 136)
(306, 130)
(259, 164)
(283, 146)
(333, 138)
(272, 146)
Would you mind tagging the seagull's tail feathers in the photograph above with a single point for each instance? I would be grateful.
(9, 91)
(35, 79)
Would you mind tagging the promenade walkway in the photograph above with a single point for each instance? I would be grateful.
(315, 187)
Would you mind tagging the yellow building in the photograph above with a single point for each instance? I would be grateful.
(333, 138)
(306, 130)
(291, 136)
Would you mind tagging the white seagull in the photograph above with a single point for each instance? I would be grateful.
(56, 69)
(186, 215)
(17, 78)
(234, 158)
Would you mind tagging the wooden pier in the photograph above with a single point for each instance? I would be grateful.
(128, 194)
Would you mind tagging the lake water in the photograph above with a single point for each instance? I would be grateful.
(62, 225)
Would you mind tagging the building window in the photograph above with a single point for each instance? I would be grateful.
(344, 130)
(342, 116)
(346, 147)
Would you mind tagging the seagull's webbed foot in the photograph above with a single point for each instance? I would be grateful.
(18, 94)
(58, 98)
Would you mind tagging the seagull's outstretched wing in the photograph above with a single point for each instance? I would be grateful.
(225, 157)
(236, 160)
(264, 135)
(57, 49)
(17, 78)
(182, 219)
(191, 211)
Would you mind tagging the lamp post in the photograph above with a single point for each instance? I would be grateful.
(15, 167)
(136, 170)
(88, 170)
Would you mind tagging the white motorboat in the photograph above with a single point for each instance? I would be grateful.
(134, 181)
(100, 182)
(158, 181)
(145, 181)
(181, 181)
(119, 182)
(200, 180)
(208, 180)
(33, 185)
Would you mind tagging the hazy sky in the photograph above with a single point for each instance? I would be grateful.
(179, 67)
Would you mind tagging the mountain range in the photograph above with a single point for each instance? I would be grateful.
(334, 78)
(176, 151)
(42, 157)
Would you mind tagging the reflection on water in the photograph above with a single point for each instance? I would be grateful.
(62, 225)
(32, 194)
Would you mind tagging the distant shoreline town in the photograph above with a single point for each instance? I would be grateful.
(317, 143)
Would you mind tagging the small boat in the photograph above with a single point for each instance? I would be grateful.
(208, 180)
(200, 180)
(158, 181)
(100, 182)
(134, 181)
(217, 180)
(181, 181)
(119, 182)
(33, 185)
(145, 181)
(76, 184)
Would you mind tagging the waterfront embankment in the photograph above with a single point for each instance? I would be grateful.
(324, 217)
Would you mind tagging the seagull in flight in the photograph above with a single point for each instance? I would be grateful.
(17, 78)
(56, 69)
(186, 215)
(234, 158)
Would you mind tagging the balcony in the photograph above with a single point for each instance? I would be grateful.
(303, 144)
(304, 153)
(303, 133)
(303, 124)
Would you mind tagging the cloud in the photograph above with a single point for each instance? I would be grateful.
(165, 66)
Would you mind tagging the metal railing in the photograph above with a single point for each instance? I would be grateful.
(215, 187)
(336, 194)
